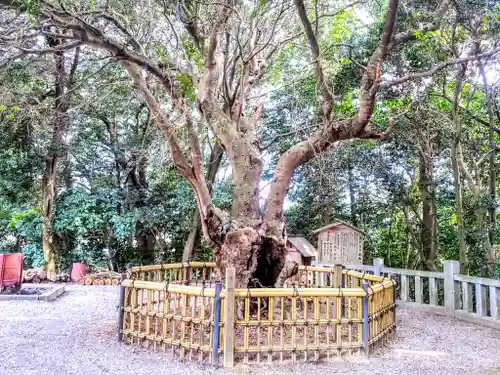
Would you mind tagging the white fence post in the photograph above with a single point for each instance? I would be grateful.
(378, 266)
(451, 268)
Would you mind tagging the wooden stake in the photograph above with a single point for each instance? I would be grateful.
(229, 302)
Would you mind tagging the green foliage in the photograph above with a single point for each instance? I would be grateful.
(340, 29)
(192, 53)
(27, 224)
(33, 256)
(187, 86)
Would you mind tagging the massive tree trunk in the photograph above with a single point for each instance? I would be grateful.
(252, 241)
(248, 239)
(63, 83)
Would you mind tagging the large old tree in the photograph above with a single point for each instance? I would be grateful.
(204, 64)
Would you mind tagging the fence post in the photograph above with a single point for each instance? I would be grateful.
(338, 268)
(229, 304)
(121, 303)
(365, 316)
(394, 304)
(216, 333)
(128, 271)
(451, 268)
(120, 309)
(338, 283)
(187, 281)
(378, 266)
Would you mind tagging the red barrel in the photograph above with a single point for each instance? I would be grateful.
(79, 271)
(11, 269)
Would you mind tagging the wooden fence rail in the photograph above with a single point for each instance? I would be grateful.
(474, 299)
(325, 312)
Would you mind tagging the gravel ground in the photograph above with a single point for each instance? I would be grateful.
(77, 335)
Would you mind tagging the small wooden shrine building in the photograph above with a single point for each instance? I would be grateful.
(301, 250)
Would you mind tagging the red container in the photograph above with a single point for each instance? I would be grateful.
(79, 271)
(11, 269)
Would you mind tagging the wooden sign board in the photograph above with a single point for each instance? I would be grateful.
(341, 246)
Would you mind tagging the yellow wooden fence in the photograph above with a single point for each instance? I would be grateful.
(182, 309)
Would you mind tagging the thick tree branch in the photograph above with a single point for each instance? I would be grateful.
(193, 171)
(330, 131)
(471, 115)
(373, 134)
(208, 87)
(158, 115)
(370, 82)
(407, 36)
(327, 104)
(39, 52)
(435, 69)
(133, 42)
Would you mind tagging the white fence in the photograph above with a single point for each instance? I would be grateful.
(474, 299)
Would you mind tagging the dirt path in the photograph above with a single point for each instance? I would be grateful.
(77, 335)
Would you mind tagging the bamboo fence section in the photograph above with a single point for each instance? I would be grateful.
(182, 309)
(191, 273)
(169, 317)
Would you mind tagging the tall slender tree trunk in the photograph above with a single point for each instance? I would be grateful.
(352, 197)
(412, 238)
(137, 189)
(63, 83)
(492, 176)
(428, 233)
(456, 155)
(120, 165)
(49, 197)
(49, 181)
(457, 186)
